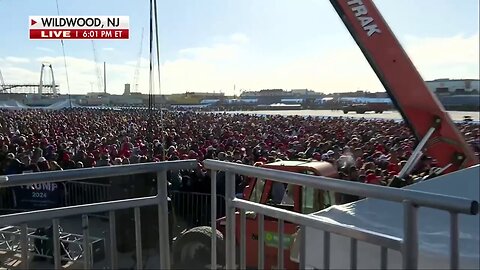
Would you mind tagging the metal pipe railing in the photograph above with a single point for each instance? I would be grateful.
(420, 198)
(92, 173)
(86, 243)
(56, 243)
(411, 200)
(280, 257)
(353, 253)
(164, 244)
(317, 223)
(326, 250)
(230, 226)
(261, 241)
(113, 240)
(243, 239)
(383, 258)
(302, 250)
(454, 235)
(213, 218)
(24, 246)
(77, 210)
(138, 238)
(410, 235)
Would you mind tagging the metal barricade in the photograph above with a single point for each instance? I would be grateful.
(73, 193)
(408, 246)
(192, 209)
(77, 192)
(160, 200)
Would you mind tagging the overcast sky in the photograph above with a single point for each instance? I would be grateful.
(210, 45)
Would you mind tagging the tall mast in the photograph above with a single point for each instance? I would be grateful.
(104, 77)
(150, 88)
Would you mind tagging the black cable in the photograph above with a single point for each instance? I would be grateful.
(163, 138)
(65, 63)
(158, 49)
(151, 58)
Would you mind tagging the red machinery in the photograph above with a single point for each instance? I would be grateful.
(419, 107)
(421, 110)
(300, 199)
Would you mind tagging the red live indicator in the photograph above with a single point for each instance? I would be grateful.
(79, 34)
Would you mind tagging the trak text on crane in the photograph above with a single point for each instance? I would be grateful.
(361, 12)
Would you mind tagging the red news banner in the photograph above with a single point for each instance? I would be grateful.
(79, 27)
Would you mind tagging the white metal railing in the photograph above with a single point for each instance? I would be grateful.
(411, 200)
(160, 168)
(408, 246)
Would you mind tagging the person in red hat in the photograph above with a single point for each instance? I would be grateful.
(372, 178)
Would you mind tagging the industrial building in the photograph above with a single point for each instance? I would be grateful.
(453, 94)
(454, 87)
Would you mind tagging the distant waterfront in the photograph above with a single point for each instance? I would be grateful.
(455, 115)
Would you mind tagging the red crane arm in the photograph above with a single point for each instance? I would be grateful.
(418, 105)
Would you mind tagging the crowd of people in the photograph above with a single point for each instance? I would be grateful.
(371, 151)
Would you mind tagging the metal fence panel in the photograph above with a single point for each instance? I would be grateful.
(84, 198)
(411, 199)
(193, 209)
(77, 193)
(196, 208)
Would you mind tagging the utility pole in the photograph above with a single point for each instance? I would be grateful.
(137, 67)
(104, 77)
(97, 67)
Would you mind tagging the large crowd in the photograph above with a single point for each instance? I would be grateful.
(371, 151)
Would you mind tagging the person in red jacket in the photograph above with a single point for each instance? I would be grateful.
(371, 178)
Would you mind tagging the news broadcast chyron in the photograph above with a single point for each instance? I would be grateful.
(79, 27)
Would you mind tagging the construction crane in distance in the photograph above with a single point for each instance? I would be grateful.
(97, 68)
(137, 67)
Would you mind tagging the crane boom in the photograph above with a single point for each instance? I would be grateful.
(137, 67)
(419, 107)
